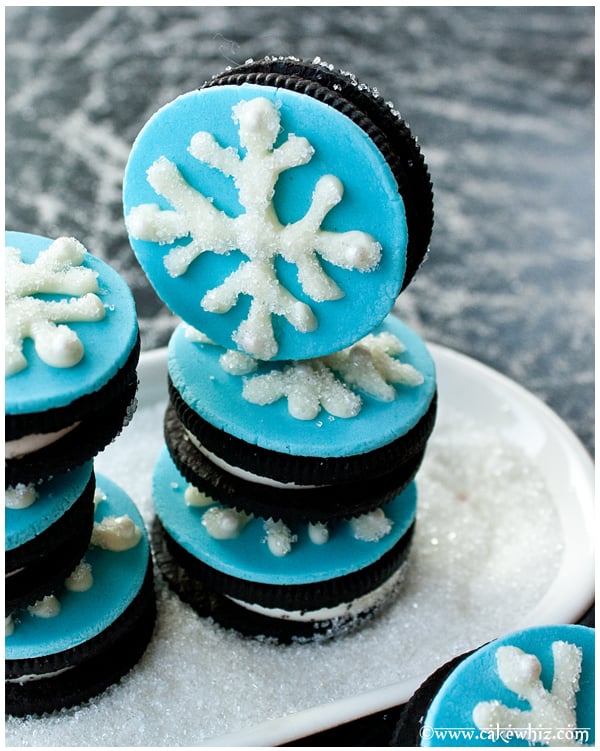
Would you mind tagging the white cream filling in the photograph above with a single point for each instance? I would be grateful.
(36, 676)
(345, 609)
(8, 574)
(243, 474)
(27, 444)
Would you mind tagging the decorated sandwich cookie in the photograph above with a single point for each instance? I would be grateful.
(47, 530)
(316, 439)
(71, 352)
(262, 211)
(72, 645)
(533, 687)
(266, 579)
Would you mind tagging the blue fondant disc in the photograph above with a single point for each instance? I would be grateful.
(54, 498)
(117, 579)
(449, 720)
(107, 343)
(248, 557)
(370, 204)
(217, 397)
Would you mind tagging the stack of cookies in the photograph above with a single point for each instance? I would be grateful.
(279, 210)
(79, 594)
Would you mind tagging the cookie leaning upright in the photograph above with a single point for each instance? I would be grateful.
(71, 353)
(263, 209)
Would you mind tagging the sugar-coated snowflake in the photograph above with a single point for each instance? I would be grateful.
(369, 365)
(257, 231)
(551, 710)
(57, 270)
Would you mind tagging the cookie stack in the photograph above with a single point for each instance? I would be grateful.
(279, 210)
(78, 584)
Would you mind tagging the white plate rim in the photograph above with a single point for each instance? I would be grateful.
(578, 563)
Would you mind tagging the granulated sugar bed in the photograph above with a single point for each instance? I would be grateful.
(487, 546)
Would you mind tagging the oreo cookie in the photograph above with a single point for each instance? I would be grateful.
(71, 646)
(530, 687)
(373, 114)
(269, 580)
(47, 531)
(264, 204)
(71, 352)
(315, 440)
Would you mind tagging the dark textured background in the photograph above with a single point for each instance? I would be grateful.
(501, 99)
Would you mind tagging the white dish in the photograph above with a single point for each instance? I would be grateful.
(466, 388)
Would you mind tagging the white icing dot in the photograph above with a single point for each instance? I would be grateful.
(116, 533)
(279, 537)
(195, 497)
(224, 523)
(318, 533)
(372, 526)
(99, 496)
(237, 363)
(81, 579)
(47, 607)
(20, 496)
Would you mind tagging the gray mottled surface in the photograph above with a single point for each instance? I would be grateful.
(502, 100)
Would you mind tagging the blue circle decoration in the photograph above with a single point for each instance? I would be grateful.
(370, 204)
(107, 343)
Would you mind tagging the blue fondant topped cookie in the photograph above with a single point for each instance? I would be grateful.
(256, 549)
(355, 414)
(117, 562)
(71, 351)
(70, 325)
(73, 644)
(47, 529)
(263, 214)
(533, 687)
(265, 578)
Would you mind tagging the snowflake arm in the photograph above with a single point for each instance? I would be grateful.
(371, 366)
(520, 672)
(255, 334)
(193, 215)
(205, 148)
(565, 682)
(57, 270)
(302, 240)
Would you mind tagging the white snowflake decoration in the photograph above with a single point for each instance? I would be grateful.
(257, 232)
(310, 385)
(550, 710)
(56, 270)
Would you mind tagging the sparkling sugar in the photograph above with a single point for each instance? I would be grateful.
(487, 546)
